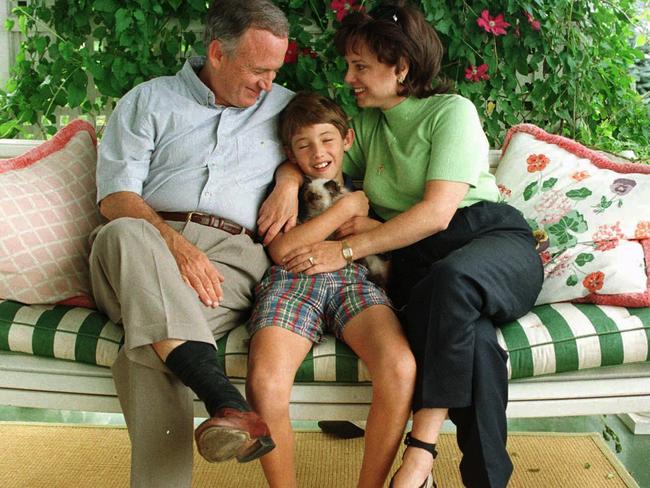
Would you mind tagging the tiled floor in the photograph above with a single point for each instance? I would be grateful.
(635, 454)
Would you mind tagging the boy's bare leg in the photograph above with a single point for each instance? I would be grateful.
(376, 336)
(274, 357)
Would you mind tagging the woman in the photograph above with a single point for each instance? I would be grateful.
(463, 263)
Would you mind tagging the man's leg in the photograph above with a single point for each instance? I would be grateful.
(136, 281)
(158, 411)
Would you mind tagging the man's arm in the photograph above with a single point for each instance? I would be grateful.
(195, 267)
(279, 211)
(321, 227)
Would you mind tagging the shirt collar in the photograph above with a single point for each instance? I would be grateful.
(189, 74)
(402, 111)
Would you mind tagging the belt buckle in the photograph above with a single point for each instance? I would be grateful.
(189, 216)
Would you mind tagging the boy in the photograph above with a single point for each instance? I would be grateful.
(293, 310)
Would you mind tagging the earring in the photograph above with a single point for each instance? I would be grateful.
(400, 79)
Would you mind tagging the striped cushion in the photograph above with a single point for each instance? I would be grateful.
(551, 338)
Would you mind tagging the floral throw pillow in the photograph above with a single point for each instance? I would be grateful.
(47, 211)
(589, 214)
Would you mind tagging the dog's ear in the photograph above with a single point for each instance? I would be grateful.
(332, 187)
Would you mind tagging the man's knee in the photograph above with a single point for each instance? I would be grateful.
(119, 233)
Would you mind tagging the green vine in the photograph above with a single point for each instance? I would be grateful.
(564, 66)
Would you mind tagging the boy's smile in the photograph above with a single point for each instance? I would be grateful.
(318, 150)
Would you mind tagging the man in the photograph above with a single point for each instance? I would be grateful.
(183, 167)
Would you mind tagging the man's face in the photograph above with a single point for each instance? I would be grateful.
(239, 78)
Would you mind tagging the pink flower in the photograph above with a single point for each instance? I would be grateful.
(504, 190)
(291, 56)
(343, 7)
(534, 24)
(495, 25)
(552, 206)
(477, 73)
(607, 237)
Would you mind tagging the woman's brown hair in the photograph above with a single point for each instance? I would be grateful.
(397, 33)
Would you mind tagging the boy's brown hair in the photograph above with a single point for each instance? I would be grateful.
(310, 108)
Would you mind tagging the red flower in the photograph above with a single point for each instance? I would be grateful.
(343, 7)
(536, 162)
(594, 281)
(533, 23)
(291, 56)
(545, 256)
(495, 25)
(642, 230)
(305, 51)
(477, 73)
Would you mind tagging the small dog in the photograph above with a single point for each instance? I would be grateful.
(319, 194)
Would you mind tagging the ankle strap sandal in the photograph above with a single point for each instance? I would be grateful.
(409, 440)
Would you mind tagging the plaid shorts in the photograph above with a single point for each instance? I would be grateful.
(313, 305)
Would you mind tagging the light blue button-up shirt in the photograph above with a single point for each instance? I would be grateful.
(169, 142)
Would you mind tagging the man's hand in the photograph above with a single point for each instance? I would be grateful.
(196, 269)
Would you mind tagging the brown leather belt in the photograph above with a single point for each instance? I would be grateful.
(209, 220)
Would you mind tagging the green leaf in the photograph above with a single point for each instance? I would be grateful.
(108, 6)
(530, 190)
(572, 280)
(9, 24)
(548, 184)
(123, 20)
(579, 194)
(584, 258)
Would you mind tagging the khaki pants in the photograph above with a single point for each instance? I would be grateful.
(136, 282)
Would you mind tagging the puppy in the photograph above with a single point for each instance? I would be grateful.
(319, 194)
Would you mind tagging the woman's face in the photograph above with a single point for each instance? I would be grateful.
(374, 83)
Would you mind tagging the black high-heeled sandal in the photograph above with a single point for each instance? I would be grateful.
(409, 440)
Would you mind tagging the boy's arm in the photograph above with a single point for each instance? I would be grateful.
(319, 228)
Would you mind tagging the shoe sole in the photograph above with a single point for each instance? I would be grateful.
(217, 444)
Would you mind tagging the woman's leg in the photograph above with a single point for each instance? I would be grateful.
(486, 272)
(376, 336)
(275, 356)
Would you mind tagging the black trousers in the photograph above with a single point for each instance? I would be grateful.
(454, 288)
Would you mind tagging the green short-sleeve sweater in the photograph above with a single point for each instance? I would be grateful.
(397, 151)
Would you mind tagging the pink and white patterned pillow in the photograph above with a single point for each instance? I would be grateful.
(47, 211)
(590, 215)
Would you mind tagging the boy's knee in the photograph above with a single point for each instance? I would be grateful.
(264, 384)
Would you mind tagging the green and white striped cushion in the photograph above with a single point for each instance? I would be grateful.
(551, 338)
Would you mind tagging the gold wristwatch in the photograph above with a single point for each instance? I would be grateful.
(346, 250)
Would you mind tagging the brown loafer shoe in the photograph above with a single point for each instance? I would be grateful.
(231, 433)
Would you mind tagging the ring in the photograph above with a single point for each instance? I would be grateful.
(311, 260)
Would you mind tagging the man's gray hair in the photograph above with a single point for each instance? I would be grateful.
(227, 20)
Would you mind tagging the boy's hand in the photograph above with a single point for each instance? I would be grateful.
(355, 203)
(356, 225)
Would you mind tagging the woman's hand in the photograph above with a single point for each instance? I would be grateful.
(317, 258)
(356, 225)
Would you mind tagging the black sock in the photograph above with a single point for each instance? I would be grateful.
(196, 365)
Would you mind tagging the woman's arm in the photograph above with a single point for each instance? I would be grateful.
(319, 228)
(431, 215)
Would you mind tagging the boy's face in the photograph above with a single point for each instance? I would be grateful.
(318, 150)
